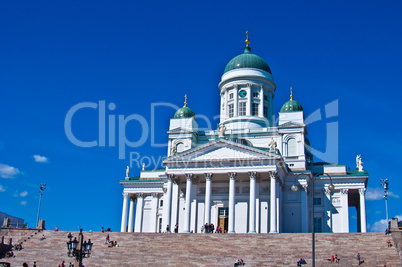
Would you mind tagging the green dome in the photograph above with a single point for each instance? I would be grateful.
(184, 112)
(247, 60)
(291, 106)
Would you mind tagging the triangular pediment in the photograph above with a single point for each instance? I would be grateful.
(222, 150)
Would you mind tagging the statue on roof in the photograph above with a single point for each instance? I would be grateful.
(143, 166)
(272, 145)
(359, 163)
(173, 150)
(128, 172)
(221, 129)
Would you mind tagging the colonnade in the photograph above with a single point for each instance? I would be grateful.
(170, 211)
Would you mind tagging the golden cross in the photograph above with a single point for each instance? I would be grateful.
(247, 40)
(185, 101)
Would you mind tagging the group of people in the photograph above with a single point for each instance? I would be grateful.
(107, 229)
(334, 259)
(239, 262)
(208, 228)
(301, 262)
(110, 242)
(18, 246)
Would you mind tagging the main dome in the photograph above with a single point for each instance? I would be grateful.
(247, 61)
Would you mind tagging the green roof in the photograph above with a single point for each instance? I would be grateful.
(247, 60)
(184, 112)
(291, 106)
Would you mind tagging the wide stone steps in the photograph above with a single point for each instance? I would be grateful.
(210, 249)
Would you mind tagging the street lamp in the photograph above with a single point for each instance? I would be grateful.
(41, 188)
(331, 188)
(79, 249)
(385, 183)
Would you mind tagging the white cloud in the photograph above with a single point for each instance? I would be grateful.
(2, 189)
(381, 225)
(378, 193)
(23, 203)
(23, 194)
(7, 171)
(39, 158)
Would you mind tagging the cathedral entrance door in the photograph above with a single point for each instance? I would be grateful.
(223, 219)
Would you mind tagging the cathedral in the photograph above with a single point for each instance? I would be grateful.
(250, 175)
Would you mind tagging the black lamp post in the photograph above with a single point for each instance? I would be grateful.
(79, 249)
(331, 188)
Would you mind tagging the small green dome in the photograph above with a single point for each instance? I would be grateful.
(291, 106)
(247, 60)
(184, 112)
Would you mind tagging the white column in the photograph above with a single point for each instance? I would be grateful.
(232, 193)
(252, 203)
(131, 215)
(235, 101)
(278, 206)
(194, 207)
(138, 216)
(345, 210)
(273, 204)
(124, 213)
(154, 211)
(189, 177)
(257, 206)
(327, 211)
(207, 209)
(304, 209)
(249, 97)
(167, 204)
(261, 107)
(363, 222)
(175, 204)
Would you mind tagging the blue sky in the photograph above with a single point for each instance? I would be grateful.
(55, 55)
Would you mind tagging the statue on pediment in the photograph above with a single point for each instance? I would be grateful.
(128, 172)
(221, 130)
(359, 163)
(272, 145)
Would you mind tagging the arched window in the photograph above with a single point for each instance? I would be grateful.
(180, 147)
(292, 147)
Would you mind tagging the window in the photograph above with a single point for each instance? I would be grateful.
(255, 94)
(231, 96)
(292, 147)
(242, 109)
(318, 225)
(223, 211)
(317, 201)
(265, 111)
(161, 204)
(265, 97)
(254, 109)
(231, 111)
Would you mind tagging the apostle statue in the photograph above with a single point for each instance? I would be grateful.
(173, 150)
(221, 130)
(272, 145)
(143, 166)
(128, 172)
(359, 163)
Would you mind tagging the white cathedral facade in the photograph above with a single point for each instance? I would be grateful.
(247, 176)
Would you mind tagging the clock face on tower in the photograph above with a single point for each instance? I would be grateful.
(242, 93)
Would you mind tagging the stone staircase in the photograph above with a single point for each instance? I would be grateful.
(137, 249)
